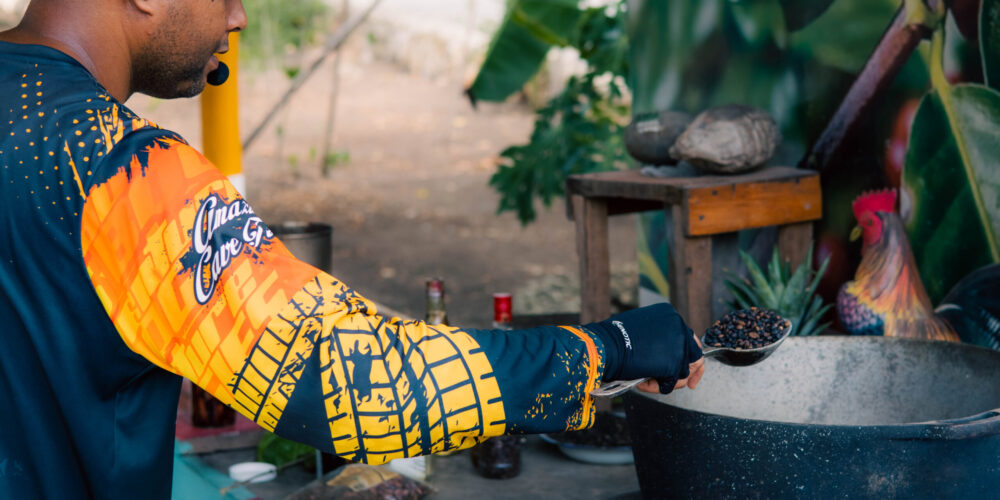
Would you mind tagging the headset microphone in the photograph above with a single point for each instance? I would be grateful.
(219, 75)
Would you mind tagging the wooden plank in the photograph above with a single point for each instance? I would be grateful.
(625, 184)
(794, 241)
(714, 210)
(690, 274)
(592, 248)
(619, 206)
(631, 184)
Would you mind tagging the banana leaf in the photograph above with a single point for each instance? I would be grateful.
(951, 185)
(989, 41)
(529, 29)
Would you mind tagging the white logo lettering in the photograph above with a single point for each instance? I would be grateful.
(628, 342)
(216, 254)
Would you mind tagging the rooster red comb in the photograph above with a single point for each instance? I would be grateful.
(883, 200)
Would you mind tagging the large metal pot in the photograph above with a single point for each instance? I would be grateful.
(310, 242)
(828, 417)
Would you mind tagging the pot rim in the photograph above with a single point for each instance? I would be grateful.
(980, 424)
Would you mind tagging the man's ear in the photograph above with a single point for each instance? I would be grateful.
(148, 7)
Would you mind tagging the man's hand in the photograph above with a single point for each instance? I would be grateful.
(696, 370)
(651, 342)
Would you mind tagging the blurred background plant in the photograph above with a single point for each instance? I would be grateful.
(278, 28)
(797, 60)
(790, 294)
(580, 129)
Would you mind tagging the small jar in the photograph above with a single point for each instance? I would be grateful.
(498, 457)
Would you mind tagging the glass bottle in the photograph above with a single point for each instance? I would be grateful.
(206, 411)
(422, 467)
(499, 457)
(437, 313)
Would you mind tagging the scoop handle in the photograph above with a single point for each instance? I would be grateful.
(617, 387)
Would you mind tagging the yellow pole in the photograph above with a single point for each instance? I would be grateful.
(220, 120)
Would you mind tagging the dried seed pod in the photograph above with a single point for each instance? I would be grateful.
(728, 139)
(649, 137)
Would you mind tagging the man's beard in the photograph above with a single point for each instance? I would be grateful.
(166, 71)
(169, 81)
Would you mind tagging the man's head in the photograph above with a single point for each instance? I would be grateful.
(163, 48)
(173, 42)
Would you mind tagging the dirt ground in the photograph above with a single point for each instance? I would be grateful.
(412, 201)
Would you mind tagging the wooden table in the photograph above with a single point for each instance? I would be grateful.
(698, 209)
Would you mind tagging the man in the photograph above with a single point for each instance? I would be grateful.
(126, 260)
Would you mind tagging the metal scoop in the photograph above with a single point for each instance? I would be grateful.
(725, 355)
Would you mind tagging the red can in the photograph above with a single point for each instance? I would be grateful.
(503, 317)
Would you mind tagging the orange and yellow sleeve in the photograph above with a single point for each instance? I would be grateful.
(196, 283)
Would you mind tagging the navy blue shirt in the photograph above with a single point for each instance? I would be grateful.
(127, 260)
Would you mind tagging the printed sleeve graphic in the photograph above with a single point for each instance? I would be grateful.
(195, 282)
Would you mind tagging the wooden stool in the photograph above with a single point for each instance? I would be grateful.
(698, 208)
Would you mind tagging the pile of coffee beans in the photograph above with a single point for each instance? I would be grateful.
(746, 329)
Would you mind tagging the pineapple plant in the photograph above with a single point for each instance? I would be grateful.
(790, 294)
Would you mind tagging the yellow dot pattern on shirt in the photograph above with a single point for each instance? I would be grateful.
(108, 122)
(39, 150)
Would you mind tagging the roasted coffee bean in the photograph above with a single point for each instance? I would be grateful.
(746, 329)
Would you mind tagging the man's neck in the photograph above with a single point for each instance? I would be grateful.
(102, 52)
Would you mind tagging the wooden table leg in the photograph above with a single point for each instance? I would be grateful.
(591, 217)
(794, 242)
(690, 274)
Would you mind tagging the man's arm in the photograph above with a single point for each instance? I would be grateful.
(195, 282)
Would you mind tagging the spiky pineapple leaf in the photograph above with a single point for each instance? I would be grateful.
(774, 271)
(741, 291)
(806, 288)
(819, 273)
(764, 291)
(808, 325)
(794, 291)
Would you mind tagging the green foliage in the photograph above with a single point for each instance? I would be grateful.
(576, 132)
(790, 294)
(579, 130)
(951, 183)
(858, 25)
(335, 158)
(989, 41)
(518, 49)
(709, 52)
(277, 27)
(799, 13)
(279, 451)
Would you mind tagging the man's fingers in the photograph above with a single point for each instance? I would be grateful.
(650, 385)
(697, 370)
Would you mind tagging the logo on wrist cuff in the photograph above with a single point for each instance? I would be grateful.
(628, 342)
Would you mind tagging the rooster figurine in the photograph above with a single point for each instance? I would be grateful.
(888, 298)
